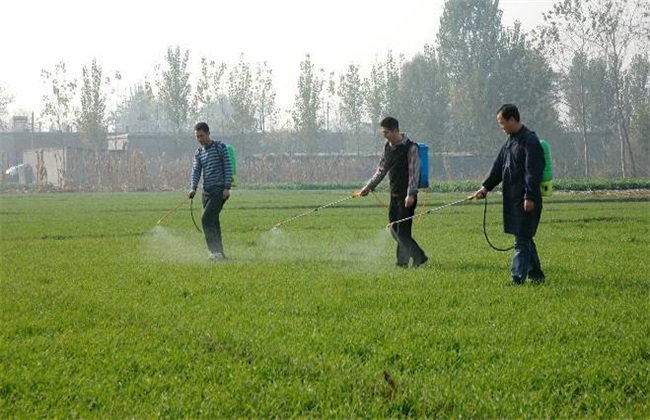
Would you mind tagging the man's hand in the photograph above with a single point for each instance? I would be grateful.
(364, 191)
(226, 195)
(529, 205)
(408, 201)
(191, 194)
(480, 193)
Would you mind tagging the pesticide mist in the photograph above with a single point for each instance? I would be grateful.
(173, 246)
(284, 245)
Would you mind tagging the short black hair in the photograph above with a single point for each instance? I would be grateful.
(201, 126)
(390, 123)
(508, 111)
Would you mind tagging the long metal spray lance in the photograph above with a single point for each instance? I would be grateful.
(471, 197)
(315, 210)
(170, 211)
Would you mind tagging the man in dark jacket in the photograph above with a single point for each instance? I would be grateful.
(519, 166)
(401, 161)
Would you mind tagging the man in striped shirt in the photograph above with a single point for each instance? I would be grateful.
(401, 161)
(213, 162)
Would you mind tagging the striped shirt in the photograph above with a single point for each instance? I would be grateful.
(213, 161)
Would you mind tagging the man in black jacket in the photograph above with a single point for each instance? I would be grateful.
(519, 166)
(401, 161)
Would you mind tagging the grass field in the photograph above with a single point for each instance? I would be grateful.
(105, 315)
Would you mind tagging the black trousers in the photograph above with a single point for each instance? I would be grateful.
(212, 204)
(407, 248)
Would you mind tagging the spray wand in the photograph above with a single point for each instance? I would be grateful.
(354, 195)
(170, 211)
(471, 197)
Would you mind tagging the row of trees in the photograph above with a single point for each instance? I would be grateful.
(582, 80)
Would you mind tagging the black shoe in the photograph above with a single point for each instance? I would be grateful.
(400, 265)
(537, 280)
(516, 281)
(424, 260)
(536, 276)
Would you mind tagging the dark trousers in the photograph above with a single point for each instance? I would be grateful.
(212, 204)
(407, 248)
(525, 261)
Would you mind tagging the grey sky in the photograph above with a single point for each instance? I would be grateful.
(132, 36)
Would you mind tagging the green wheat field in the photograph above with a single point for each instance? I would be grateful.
(106, 315)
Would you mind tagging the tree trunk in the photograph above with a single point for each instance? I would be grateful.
(622, 144)
(623, 136)
(583, 117)
(584, 141)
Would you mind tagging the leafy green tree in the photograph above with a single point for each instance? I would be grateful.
(468, 38)
(525, 77)
(174, 92)
(58, 108)
(424, 90)
(307, 105)
(352, 103)
(91, 118)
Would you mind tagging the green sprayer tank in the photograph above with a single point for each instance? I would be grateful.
(547, 175)
(233, 163)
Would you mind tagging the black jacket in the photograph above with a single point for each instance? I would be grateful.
(519, 167)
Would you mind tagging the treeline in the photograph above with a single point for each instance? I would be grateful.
(581, 80)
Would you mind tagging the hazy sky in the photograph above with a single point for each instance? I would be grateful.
(132, 36)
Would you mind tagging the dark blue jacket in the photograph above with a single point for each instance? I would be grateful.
(519, 167)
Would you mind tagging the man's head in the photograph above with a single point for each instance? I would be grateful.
(390, 129)
(508, 118)
(202, 132)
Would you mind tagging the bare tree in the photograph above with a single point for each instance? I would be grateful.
(91, 118)
(352, 103)
(5, 100)
(307, 104)
(264, 96)
(175, 92)
(209, 96)
(620, 28)
(58, 108)
(374, 90)
(578, 31)
(240, 95)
